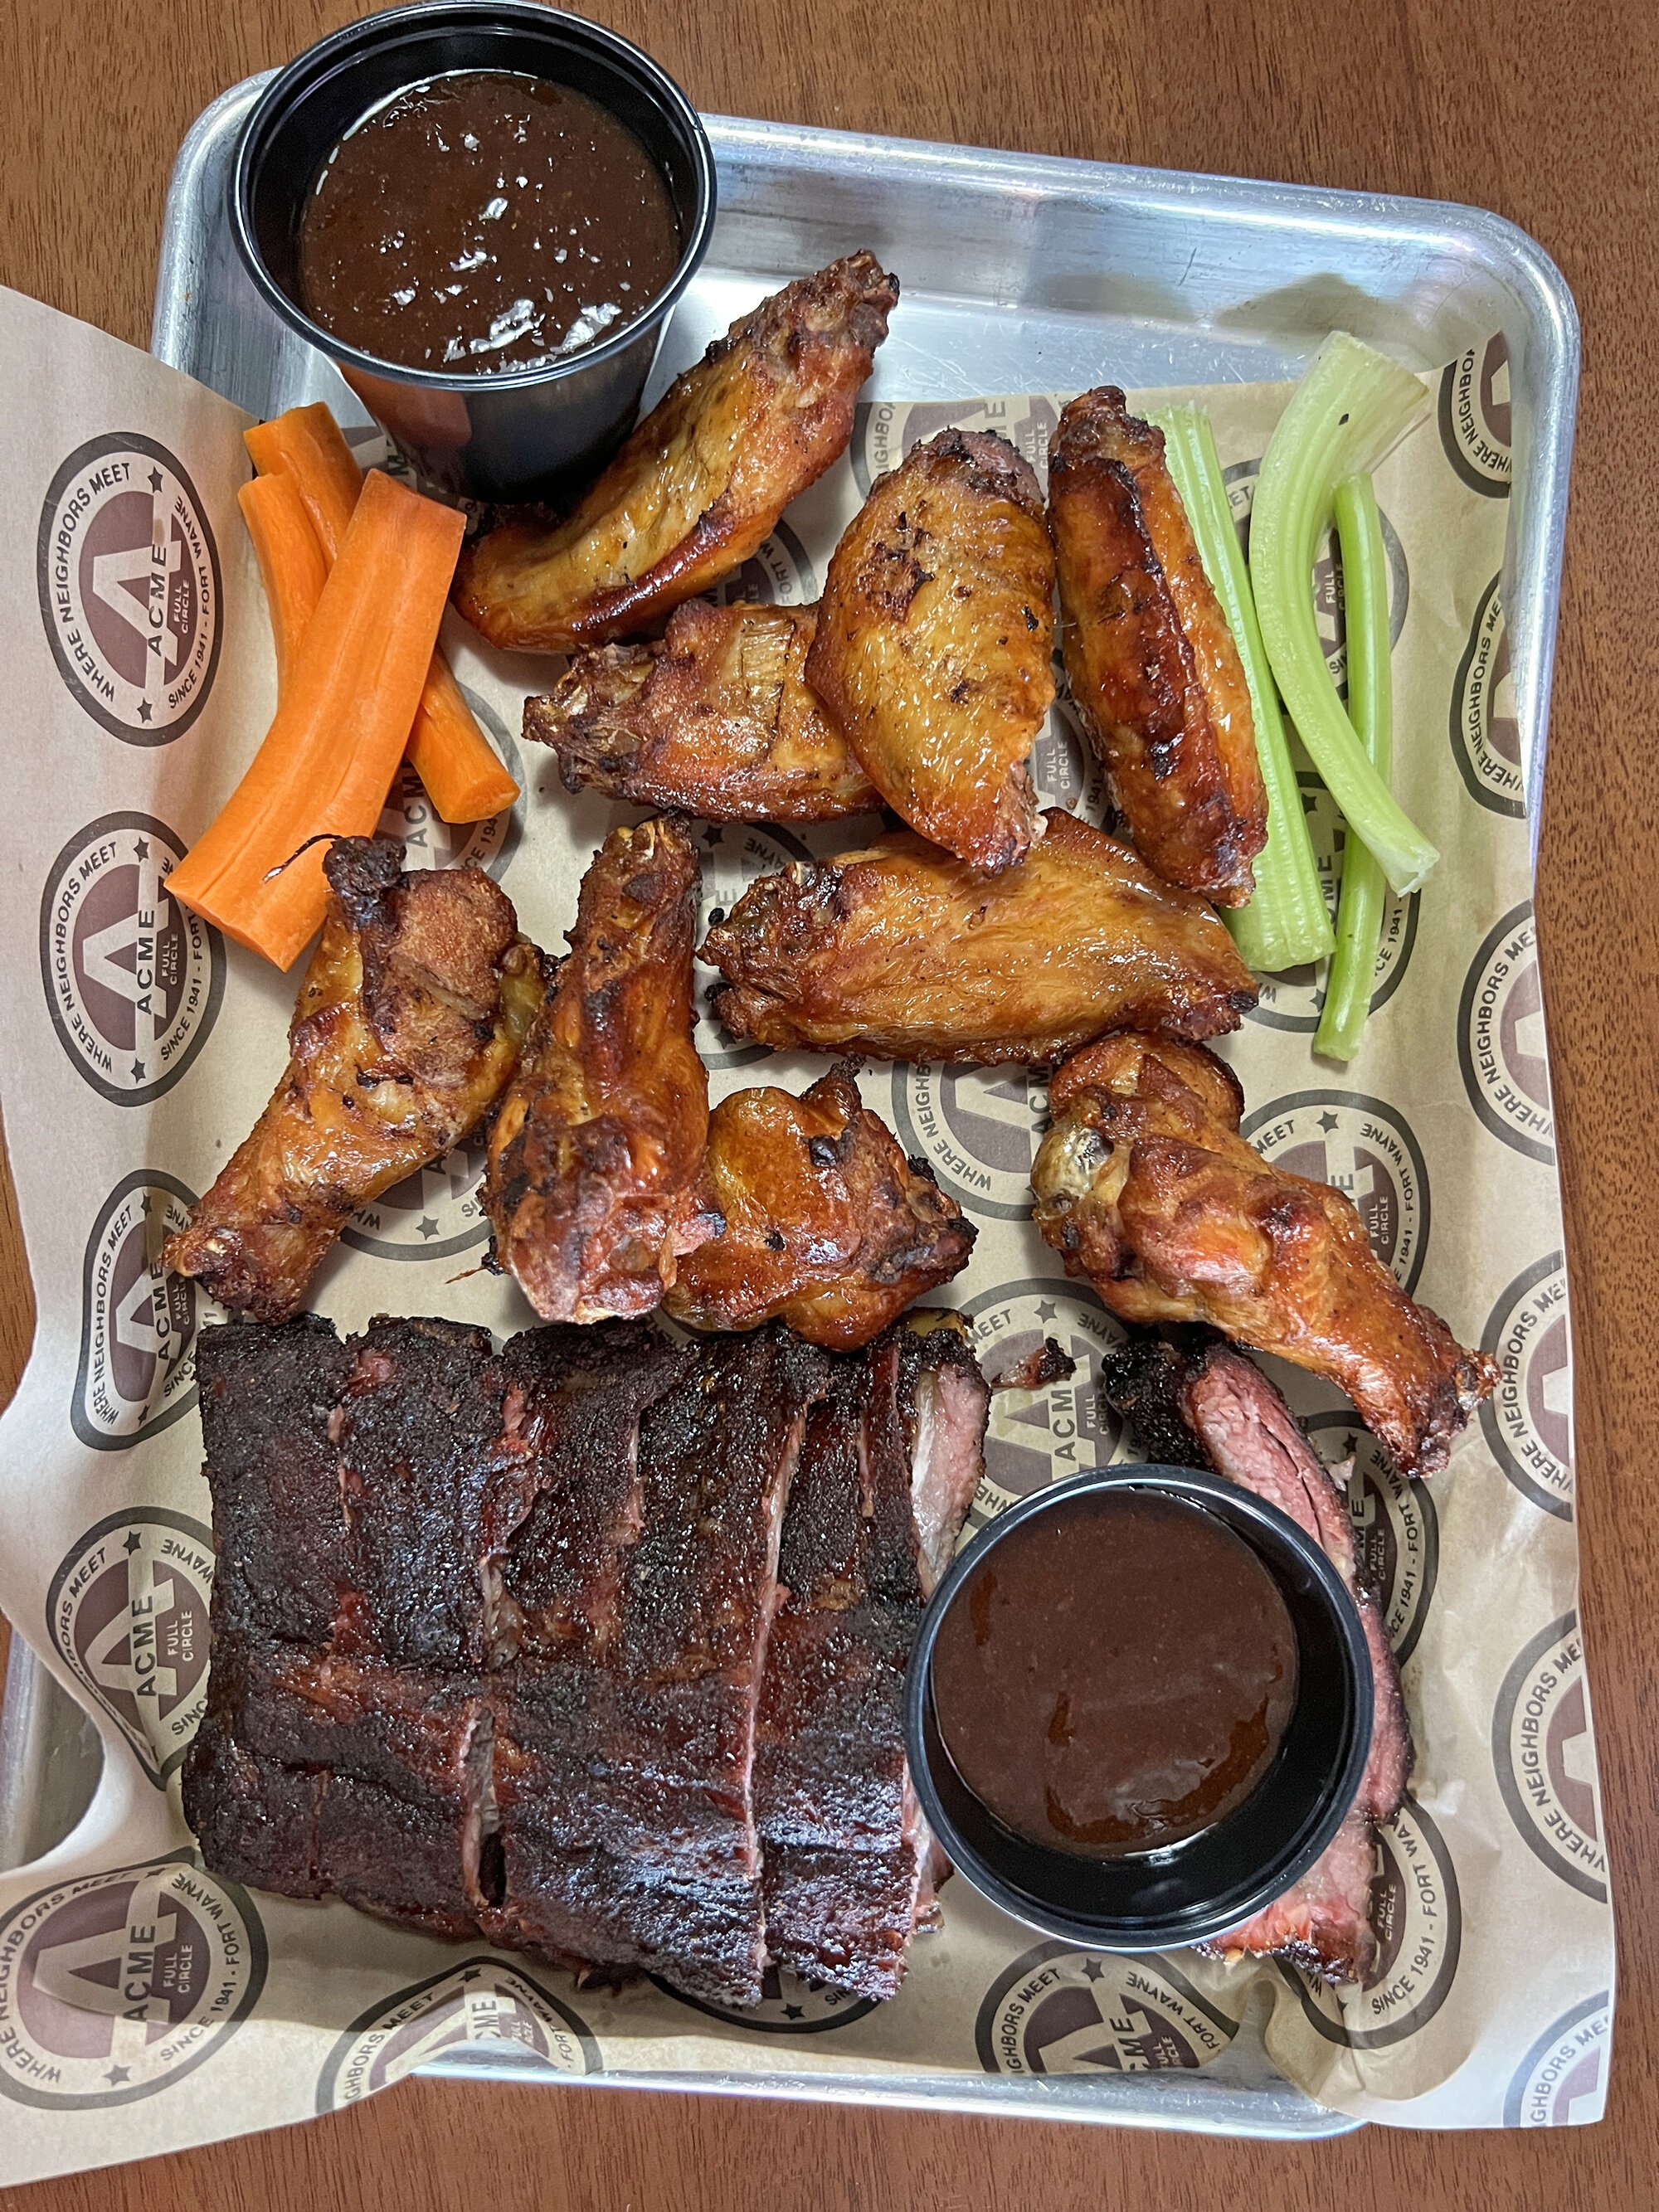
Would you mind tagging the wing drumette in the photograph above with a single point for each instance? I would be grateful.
(716, 719)
(703, 480)
(828, 1226)
(1145, 1187)
(409, 1023)
(1154, 670)
(935, 641)
(593, 1160)
(901, 951)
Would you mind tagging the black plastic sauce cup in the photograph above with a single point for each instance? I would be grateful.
(516, 434)
(1218, 1878)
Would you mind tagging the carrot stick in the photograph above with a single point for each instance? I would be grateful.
(290, 560)
(464, 779)
(449, 752)
(330, 756)
(308, 445)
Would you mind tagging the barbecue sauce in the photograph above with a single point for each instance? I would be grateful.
(484, 221)
(1116, 1677)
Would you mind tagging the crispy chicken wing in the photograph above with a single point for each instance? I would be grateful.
(828, 1227)
(591, 1182)
(409, 1023)
(716, 719)
(1154, 670)
(702, 481)
(935, 642)
(1146, 1188)
(901, 951)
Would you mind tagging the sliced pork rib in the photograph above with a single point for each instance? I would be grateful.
(491, 1635)
(891, 1460)
(494, 1638)
(1190, 1401)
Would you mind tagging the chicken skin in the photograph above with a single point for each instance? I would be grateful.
(1145, 1189)
(903, 953)
(935, 644)
(703, 480)
(716, 719)
(408, 1026)
(1154, 670)
(592, 1183)
(827, 1226)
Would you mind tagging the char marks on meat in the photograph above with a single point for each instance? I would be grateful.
(1190, 1401)
(493, 1633)
(891, 1462)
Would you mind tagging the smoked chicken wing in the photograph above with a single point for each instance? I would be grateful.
(716, 719)
(409, 1023)
(1145, 1189)
(828, 1226)
(703, 480)
(901, 951)
(935, 642)
(591, 1182)
(1154, 670)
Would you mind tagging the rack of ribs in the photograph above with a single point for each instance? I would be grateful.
(493, 1633)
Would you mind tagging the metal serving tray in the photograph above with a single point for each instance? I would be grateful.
(1020, 273)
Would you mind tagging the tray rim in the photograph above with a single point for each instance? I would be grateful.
(1545, 302)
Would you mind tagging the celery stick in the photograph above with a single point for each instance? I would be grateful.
(1370, 709)
(1284, 924)
(1351, 409)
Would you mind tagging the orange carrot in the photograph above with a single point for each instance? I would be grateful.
(449, 752)
(308, 445)
(330, 756)
(464, 779)
(291, 561)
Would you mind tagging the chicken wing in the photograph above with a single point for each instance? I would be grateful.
(409, 1023)
(901, 951)
(702, 481)
(1154, 670)
(591, 1187)
(1145, 1187)
(828, 1227)
(716, 719)
(935, 642)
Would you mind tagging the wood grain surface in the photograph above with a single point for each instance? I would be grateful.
(1542, 113)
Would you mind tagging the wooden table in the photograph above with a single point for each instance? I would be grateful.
(1541, 113)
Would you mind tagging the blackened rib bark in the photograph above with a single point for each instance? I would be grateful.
(561, 1530)
(628, 1829)
(316, 1775)
(1194, 1402)
(886, 1475)
(266, 1395)
(415, 1432)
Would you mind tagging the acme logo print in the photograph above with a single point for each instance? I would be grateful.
(133, 979)
(128, 575)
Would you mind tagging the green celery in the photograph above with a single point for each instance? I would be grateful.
(1350, 409)
(1370, 709)
(1284, 924)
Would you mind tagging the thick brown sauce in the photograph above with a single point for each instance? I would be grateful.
(484, 221)
(1116, 1677)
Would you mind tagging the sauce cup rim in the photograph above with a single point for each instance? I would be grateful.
(356, 42)
(1264, 1527)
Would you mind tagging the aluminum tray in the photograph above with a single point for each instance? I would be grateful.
(1020, 273)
